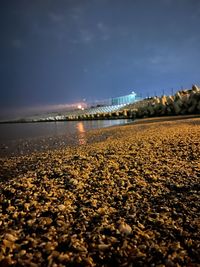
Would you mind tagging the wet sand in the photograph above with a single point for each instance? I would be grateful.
(130, 198)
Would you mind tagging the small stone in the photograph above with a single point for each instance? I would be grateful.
(11, 208)
(61, 207)
(22, 252)
(103, 246)
(49, 246)
(141, 226)
(10, 237)
(81, 249)
(31, 222)
(7, 243)
(124, 228)
(63, 257)
(26, 206)
(48, 221)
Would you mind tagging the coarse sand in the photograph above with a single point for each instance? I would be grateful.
(128, 199)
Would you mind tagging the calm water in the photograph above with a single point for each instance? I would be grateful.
(22, 138)
(17, 131)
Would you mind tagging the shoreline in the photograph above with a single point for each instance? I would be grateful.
(52, 138)
(172, 116)
(23, 147)
(132, 198)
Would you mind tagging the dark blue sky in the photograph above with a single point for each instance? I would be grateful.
(54, 52)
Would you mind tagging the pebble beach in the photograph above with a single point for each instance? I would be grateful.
(128, 196)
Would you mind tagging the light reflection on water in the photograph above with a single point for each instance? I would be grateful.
(81, 133)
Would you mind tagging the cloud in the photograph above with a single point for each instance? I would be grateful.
(163, 63)
(101, 26)
(83, 37)
(86, 36)
(156, 60)
(56, 17)
(76, 14)
(17, 43)
(104, 32)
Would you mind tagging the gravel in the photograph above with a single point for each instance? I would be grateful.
(130, 200)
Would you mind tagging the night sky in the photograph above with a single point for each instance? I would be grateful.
(63, 51)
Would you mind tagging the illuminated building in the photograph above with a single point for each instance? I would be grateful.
(124, 100)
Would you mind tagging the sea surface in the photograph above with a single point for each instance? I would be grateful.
(23, 138)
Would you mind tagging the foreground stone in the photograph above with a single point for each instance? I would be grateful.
(132, 200)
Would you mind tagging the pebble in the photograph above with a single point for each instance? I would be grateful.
(124, 228)
(10, 237)
(61, 207)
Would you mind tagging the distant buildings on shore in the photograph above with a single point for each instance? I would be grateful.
(124, 100)
(121, 100)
